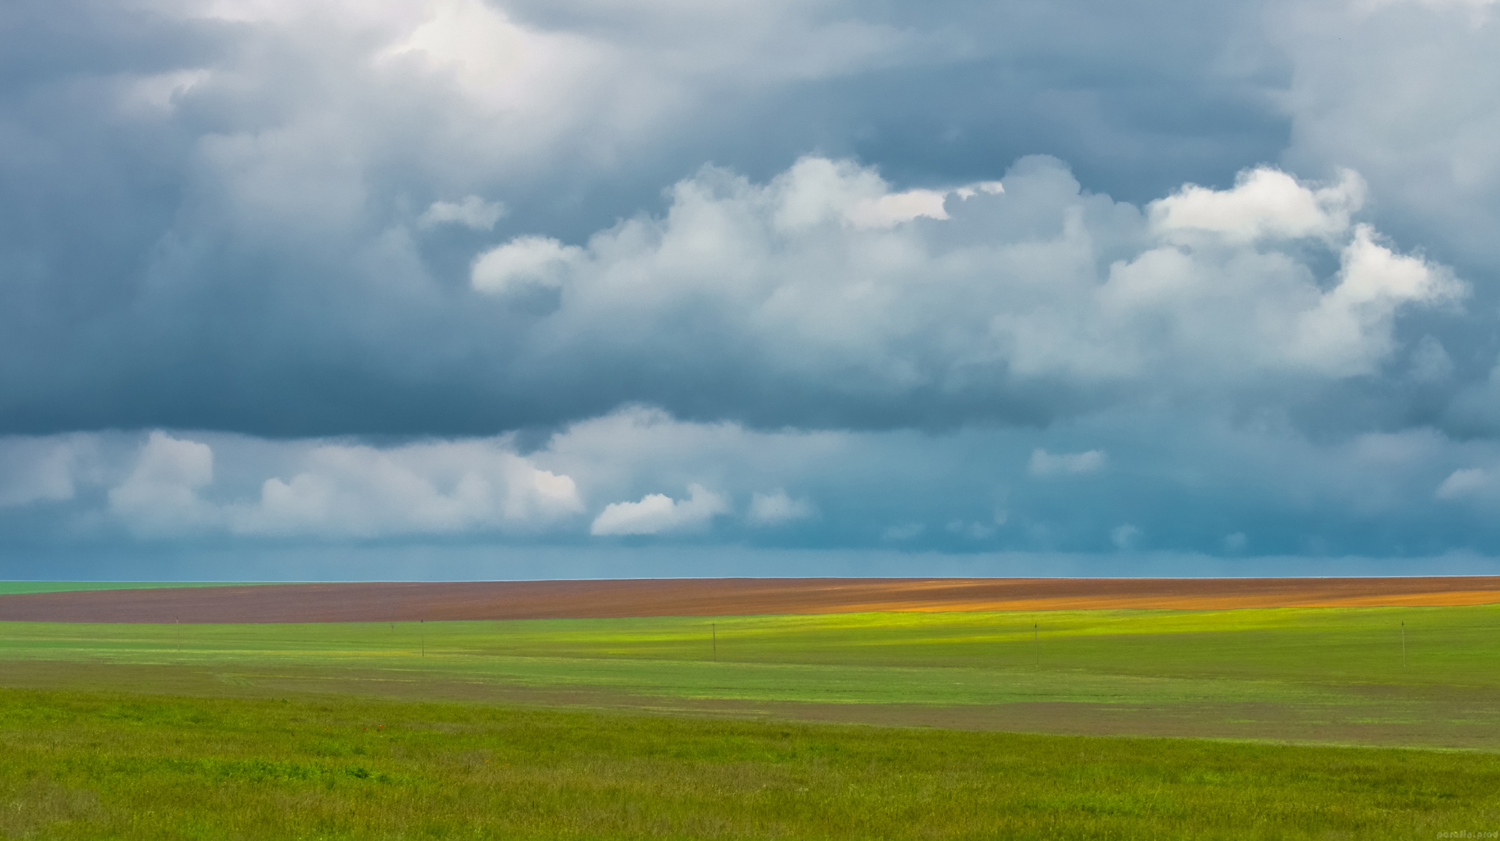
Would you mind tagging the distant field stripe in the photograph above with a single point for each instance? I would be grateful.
(16, 588)
(410, 601)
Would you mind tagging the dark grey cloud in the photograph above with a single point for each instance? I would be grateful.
(778, 304)
(209, 222)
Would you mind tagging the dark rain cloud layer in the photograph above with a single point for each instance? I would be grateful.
(228, 258)
(424, 278)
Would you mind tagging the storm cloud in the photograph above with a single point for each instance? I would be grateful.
(1043, 277)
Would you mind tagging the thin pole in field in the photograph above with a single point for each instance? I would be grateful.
(713, 629)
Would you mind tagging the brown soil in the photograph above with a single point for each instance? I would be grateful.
(411, 601)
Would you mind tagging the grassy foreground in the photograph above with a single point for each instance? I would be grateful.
(88, 765)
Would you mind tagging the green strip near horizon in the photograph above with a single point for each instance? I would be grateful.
(1328, 674)
(16, 588)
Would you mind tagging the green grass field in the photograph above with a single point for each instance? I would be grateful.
(1310, 675)
(103, 765)
(741, 727)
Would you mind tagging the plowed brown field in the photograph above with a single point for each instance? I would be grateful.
(411, 601)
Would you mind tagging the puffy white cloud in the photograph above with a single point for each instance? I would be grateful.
(1000, 293)
(498, 63)
(777, 507)
(659, 513)
(1350, 329)
(626, 453)
(1244, 312)
(1264, 203)
(430, 488)
(818, 190)
(524, 261)
(1044, 463)
(333, 490)
(160, 496)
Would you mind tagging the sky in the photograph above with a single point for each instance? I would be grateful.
(395, 289)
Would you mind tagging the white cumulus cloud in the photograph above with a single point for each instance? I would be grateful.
(1264, 202)
(659, 513)
(824, 278)
(333, 490)
(430, 488)
(524, 261)
(160, 496)
(1350, 329)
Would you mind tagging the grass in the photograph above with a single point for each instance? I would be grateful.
(89, 765)
(1326, 675)
(704, 727)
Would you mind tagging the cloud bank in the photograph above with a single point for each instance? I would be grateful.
(338, 490)
(1038, 277)
(1019, 304)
